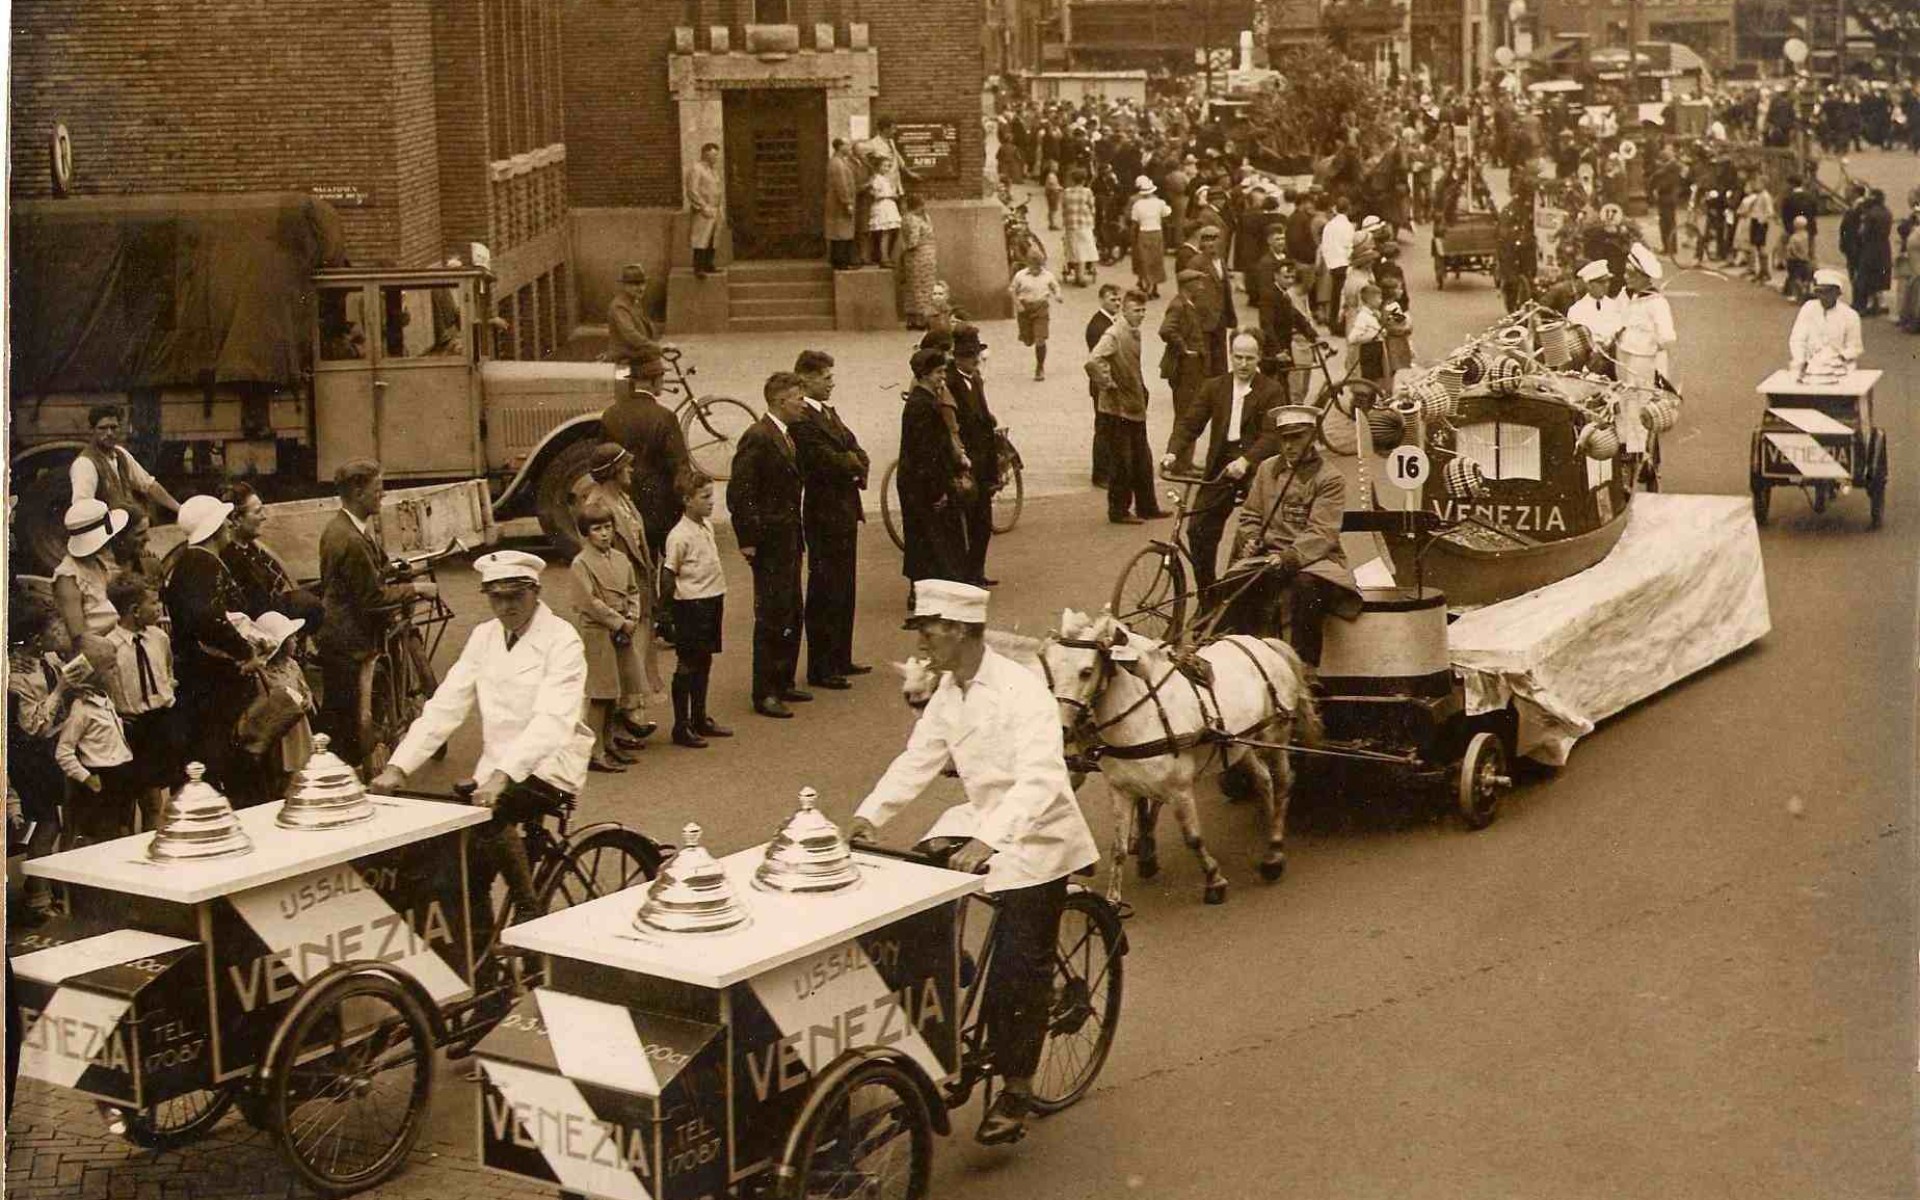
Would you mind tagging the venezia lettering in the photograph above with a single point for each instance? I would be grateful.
(343, 882)
(1520, 518)
(276, 976)
(886, 1020)
(581, 1137)
(79, 1041)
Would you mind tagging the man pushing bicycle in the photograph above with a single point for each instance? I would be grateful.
(1000, 726)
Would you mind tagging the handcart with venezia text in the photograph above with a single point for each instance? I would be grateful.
(1819, 436)
(812, 1050)
(308, 981)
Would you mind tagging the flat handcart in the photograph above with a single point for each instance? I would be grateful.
(1819, 436)
(812, 1048)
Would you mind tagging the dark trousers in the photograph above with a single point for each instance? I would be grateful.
(840, 253)
(703, 260)
(1336, 287)
(1129, 469)
(208, 704)
(339, 716)
(776, 614)
(1020, 991)
(1213, 508)
(103, 815)
(500, 848)
(978, 515)
(832, 569)
(1101, 435)
(1668, 226)
(1302, 602)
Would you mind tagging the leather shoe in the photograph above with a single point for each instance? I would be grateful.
(1005, 1122)
(1157, 514)
(688, 738)
(855, 669)
(832, 683)
(796, 696)
(606, 766)
(773, 708)
(1125, 519)
(708, 727)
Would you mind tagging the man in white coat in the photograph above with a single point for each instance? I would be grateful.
(1825, 342)
(703, 207)
(1647, 335)
(1000, 727)
(1597, 311)
(526, 671)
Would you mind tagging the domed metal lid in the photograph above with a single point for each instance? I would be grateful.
(692, 893)
(809, 854)
(325, 793)
(198, 823)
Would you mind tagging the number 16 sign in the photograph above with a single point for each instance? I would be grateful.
(1407, 468)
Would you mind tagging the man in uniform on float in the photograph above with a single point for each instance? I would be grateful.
(1598, 311)
(526, 670)
(1647, 335)
(1826, 335)
(1000, 726)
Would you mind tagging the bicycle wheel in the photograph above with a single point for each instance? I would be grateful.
(1087, 978)
(870, 1137)
(890, 507)
(713, 425)
(1008, 501)
(351, 1084)
(178, 1121)
(1150, 597)
(381, 720)
(602, 863)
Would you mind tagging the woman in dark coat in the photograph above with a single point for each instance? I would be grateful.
(930, 478)
(1873, 254)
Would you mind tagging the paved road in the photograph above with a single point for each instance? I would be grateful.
(1679, 966)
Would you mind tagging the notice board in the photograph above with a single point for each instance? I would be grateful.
(930, 148)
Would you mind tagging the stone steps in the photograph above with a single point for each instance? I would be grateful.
(769, 297)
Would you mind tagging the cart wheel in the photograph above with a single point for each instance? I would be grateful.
(351, 1083)
(871, 1137)
(1483, 777)
(1087, 977)
(1877, 483)
(380, 727)
(1150, 597)
(1762, 500)
(713, 426)
(602, 863)
(178, 1121)
(1008, 501)
(890, 507)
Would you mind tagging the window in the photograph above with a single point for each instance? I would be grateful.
(771, 12)
(422, 322)
(1504, 450)
(343, 325)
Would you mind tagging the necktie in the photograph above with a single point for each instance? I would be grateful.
(149, 686)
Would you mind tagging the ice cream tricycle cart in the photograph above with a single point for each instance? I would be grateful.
(302, 960)
(794, 1019)
(1819, 436)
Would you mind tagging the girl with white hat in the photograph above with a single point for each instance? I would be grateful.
(210, 656)
(80, 581)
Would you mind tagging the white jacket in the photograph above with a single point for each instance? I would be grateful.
(530, 700)
(1003, 733)
(1831, 336)
(1603, 318)
(1336, 242)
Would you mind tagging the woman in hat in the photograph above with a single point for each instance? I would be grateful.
(80, 581)
(211, 658)
(1146, 215)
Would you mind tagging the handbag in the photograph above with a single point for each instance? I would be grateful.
(267, 720)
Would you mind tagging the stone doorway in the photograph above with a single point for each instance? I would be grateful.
(775, 145)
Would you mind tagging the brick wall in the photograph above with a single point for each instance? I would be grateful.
(623, 129)
(232, 96)
(461, 109)
(932, 70)
(415, 133)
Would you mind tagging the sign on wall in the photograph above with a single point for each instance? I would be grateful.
(930, 148)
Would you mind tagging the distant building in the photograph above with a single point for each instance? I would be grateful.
(1150, 34)
(1705, 26)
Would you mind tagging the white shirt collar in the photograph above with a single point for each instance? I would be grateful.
(813, 404)
(362, 526)
(778, 424)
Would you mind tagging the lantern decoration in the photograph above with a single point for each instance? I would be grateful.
(809, 854)
(1387, 426)
(1556, 346)
(1465, 480)
(1503, 378)
(1451, 379)
(1579, 346)
(197, 823)
(1660, 415)
(1599, 441)
(692, 893)
(1473, 367)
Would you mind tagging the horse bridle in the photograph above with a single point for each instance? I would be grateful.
(1086, 729)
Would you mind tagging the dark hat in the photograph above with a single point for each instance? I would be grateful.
(966, 340)
(633, 273)
(607, 457)
(926, 359)
(1190, 274)
(645, 356)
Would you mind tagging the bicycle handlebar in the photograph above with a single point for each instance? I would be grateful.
(462, 793)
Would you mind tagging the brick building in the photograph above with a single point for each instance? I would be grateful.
(429, 124)
(1706, 26)
(772, 82)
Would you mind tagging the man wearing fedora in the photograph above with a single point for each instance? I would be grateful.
(648, 430)
(977, 426)
(352, 594)
(999, 726)
(525, 671)
(211, 658)
(1288, 541)
(629, 327)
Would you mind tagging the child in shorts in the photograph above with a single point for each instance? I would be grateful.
(694, 589)
(1799, 261)
(1034, 290)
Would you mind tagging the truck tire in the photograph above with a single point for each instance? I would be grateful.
(40, 521)
(553, 496)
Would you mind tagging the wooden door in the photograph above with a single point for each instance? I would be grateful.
(776, 171)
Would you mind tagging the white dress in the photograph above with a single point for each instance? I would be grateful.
(886, 209)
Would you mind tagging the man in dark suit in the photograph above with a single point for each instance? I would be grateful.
(1097, 325)
(1215, 301)
(983, 450)
(763, 495)
(650, 432)
(1183, 333)
(1280, 319)
(933, 485)
(833, 470)
(1234, 408)
(352, 590)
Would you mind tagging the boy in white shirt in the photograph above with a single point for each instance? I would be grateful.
(92, 752)
(694, 589)
(1034, 289)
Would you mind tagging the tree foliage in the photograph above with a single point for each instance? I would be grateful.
(1318, 96)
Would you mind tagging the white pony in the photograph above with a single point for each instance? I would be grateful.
(1128, 704)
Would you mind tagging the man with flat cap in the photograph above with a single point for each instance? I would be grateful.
(1000, 727)
(526, 672)
(1288, 566)
(1185, 357)
(647, 429)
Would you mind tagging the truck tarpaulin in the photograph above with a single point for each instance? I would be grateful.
(113, 293)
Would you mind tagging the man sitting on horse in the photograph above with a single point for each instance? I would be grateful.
(1288, 567)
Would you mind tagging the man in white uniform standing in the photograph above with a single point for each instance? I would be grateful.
(1647, 335)
(1825, 342)
(526, 671)
(1597, 311)
(1000, 727)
